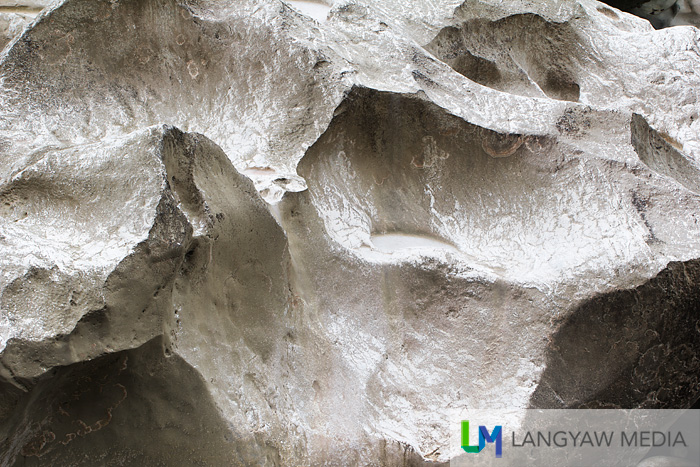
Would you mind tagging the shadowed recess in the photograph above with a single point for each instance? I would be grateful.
(636, 348)
(136, 407)
(487, 52)
(662, 154)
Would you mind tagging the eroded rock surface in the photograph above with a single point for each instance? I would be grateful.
(235, 234)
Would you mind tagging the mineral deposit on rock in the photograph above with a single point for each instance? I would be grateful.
(269, 233)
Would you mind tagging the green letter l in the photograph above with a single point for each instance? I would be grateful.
(465, 438)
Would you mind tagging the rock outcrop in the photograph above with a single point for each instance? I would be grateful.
(234, 234)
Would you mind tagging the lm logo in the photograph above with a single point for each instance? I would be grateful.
(484, 437)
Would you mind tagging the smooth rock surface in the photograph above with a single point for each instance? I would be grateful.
(244, 235)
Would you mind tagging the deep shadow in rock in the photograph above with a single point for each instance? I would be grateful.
(663, 154)
(637, 348)
(136, 407)
(539, 59)
(660, 15)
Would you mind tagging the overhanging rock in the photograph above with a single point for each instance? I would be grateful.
(246, 236)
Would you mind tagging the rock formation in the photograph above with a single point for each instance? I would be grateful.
(234, 234)
(660, 13)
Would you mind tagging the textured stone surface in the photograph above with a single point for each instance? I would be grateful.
(235, 234)
(689, 13)
(15, 15)
(11, 25)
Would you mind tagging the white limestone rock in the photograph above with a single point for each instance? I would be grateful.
(467, 203)
(11, 25)
(15, 15)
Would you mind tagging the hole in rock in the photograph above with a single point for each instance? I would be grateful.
(316, 10)
(521, 54)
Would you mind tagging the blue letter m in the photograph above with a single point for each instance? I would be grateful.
(495, 435)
